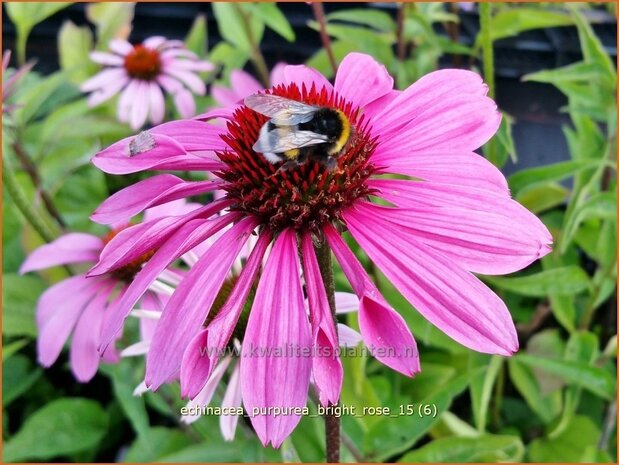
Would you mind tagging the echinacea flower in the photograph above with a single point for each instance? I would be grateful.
(142, 73)
(79, 304)
(243, 84)
(428, 234)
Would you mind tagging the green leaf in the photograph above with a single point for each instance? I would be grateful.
(577, 72)
(133, 406)
(231, 22)
(373, 18)
(156, 443)
(18, 375)
(568, 446)
(554, 172)
(112, 20)
(513, 21)
(538, 198)
(26, 15)
(275, 19)
(601, 205)
(36, 96)
(206, 452)
(592, 48)
(594, 379)
(486, 448)
(393, 435)
(12, 348)
(74, 45)
(481, 386)
(567, 280)
(62, 427)
(19, 299)
(546, 407)
(197, 37)
(320, 60)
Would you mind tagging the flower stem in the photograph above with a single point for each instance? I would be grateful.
(319, 14)
(10, 182)
(256, 55)
(332, 422)
(485, 20)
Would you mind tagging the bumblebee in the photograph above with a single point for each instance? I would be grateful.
(297, 132)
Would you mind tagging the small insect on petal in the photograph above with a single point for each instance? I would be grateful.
(141, 143)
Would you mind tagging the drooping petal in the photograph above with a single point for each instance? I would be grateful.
(135, 241)
(232, 399)
(84, 355)
(383, 329)
(185, 103)
(304, 75)
(126, 101)
(120, 46)
(56, 328)
(450, 298)
(191, 80)
(195, 368)
(415, 195)
(173, 208)
(183, 240)
(482, 242)
(361, 79)
(156, 103)
(69, 248)
(108, 91)
(55, 296)
(206, 394)
(347, 336)
(189, 306)
(105, 58)
(102, 79)
(150, 192)
(243, 83)
(221, 328)
(346, 302)
(270, 377)
(326, 365)
(472, 170)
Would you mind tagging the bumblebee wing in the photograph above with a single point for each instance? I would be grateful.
(280, 140)
(282, 111)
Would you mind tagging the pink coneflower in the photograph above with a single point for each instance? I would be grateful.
(453, 219)
(243, 84)
(141, 73)
(79, 304)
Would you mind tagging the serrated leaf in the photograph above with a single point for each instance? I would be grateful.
(62, 427)
(567, 280)
(274, 19)
(553, 172)
(486, 448)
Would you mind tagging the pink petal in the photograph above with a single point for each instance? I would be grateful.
(83, 355)
(122, 47)
(191, 80)
(424, 195)
(277, 321)
(183, 240)
(361, 79)
(450, 298)
(375, 107)
(432, 89)
(243, 84)
(232, 399)
(326, 366)
(205, 396)
(103, 79)
(135, 241)
(345, 302)
(150, 192)
(277, 74)
(383, 329)
(347, 336)
(172, 143)
(461, 122)
(191, 303)
(54, 297)
(225, 97)
(157, 103)
(69, 248)
(104, 58)
(108, 91)
(482, 242)
(140, 105)
(304, 75)
(173, 208)
(223, 325)
(154, 42)
(195, 366)
(60, 321)
(185, 103)
(473, 170)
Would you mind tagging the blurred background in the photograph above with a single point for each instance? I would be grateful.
(554, 80)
